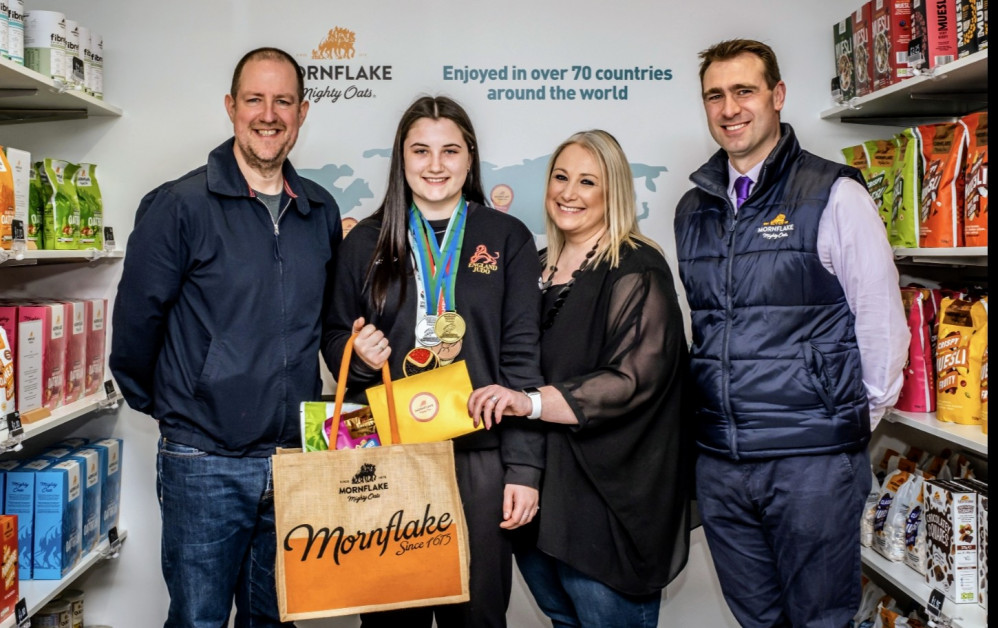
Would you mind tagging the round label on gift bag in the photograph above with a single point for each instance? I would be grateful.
(424, 407)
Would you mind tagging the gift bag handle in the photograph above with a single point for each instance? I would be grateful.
(341, 387)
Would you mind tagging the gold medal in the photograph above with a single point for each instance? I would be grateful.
(447, 351)
(426, 336)
(419, 360)
(449, 327)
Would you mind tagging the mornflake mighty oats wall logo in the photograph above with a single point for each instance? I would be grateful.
(333, 72)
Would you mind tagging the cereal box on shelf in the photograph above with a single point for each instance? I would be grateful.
(862, 49)
(891, 32)
(951, 536)
(844, 63)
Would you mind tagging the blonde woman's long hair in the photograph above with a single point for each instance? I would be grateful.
(621, 220)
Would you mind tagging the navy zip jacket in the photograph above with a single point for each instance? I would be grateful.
(217, 319)
(774, 356)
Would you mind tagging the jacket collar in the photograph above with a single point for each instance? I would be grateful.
(225, 178)
(713, 175)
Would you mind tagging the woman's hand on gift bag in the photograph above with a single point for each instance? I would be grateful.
(490, 403)
(520, 505)
(370, 345)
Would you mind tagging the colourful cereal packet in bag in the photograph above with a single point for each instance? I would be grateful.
(881, 156)
(906, 193)
(60, 206)
(959, 350)
(91, 207)
(975, 214)
(918, 387)
(941, 219)
(356, 426)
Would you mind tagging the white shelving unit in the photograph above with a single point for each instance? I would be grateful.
(945, 92)
(38, 593)
(913, 584)
(36, 257)
(969, 437)
(942, 94)
(27, 96)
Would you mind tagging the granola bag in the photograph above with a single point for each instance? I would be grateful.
(6, 203)
(918, 387)
(91, 207)
(958, 360)
(34, 228)
(60, 205)
(906, 192)
(881, 156)
(975, 213)
(941, 219)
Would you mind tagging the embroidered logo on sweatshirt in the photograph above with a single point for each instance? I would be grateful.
(482, 261)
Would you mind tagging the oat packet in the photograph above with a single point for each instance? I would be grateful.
(34, 228)
(881, 156)
(91, 207)
(61, 209)
(941, 206)
(906, 193)
(975, 193)
(6, 203)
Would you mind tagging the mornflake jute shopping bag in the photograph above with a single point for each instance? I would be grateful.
(371, 529)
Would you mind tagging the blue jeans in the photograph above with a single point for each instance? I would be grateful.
(784, 536)
(570, 598)
(218, 538)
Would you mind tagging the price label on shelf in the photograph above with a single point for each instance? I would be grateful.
(109, 389)
(21, 614)
(108, 238)
(113, 541)
(17, 230)
(14, 426)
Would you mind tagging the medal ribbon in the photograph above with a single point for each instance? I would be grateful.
(436, 267)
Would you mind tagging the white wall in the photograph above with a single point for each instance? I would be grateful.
(168, 66)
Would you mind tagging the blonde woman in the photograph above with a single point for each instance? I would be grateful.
(611, 531)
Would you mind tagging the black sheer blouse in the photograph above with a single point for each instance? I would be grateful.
(615, 494)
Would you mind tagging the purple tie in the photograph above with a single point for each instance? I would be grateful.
(742, 185)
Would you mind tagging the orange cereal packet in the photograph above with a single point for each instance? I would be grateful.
(941, 209)
(975, 213)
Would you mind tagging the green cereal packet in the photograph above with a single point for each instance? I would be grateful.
(60, 205)
(33, 230)
(881, 156)
(91, 207)
(903, 231)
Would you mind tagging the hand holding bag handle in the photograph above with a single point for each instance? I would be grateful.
(341, 386)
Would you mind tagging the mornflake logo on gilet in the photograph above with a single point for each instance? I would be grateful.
(778, 227)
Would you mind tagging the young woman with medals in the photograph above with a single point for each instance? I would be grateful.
(613, 525)
(435, 276)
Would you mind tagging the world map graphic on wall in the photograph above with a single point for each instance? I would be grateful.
(526, 179)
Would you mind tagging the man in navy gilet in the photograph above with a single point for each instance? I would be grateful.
(799, 338)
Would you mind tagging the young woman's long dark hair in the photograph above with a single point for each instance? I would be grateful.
(388, 263)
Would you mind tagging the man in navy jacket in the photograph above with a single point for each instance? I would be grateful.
(216, 333)
(799, 338)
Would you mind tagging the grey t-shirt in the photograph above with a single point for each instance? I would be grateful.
(272, 201)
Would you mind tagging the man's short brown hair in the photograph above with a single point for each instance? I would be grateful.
(731, 48)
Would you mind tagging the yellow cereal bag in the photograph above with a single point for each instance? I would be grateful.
(958, 361)
(6, 203)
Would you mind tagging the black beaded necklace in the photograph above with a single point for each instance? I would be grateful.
(563, 293)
